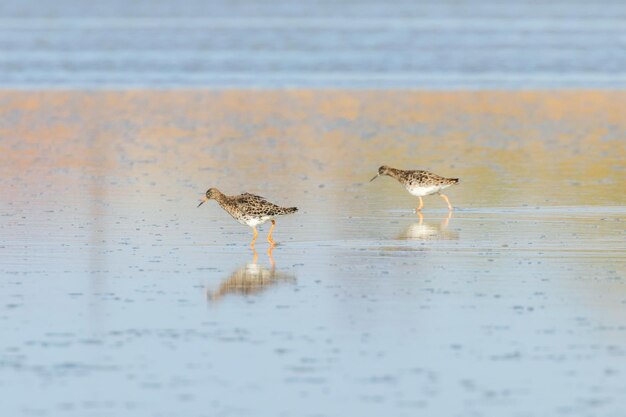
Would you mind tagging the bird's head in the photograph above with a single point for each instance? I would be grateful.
(383, 170)
(211, 193)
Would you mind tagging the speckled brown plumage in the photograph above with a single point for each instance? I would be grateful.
(249, 209)
(419, 183)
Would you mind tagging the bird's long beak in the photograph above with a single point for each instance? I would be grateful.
(375, 176)
(204, 200)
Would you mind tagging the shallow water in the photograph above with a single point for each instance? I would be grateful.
(119, 296)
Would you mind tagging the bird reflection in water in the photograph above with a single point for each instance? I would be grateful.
(430, 231)
(251, 278)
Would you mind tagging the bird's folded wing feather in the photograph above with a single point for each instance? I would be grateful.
(251, 197)
(425, 176)
(418, 175)
(253, 200)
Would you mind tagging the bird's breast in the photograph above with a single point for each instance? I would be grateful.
(420, 191)
(254, 221)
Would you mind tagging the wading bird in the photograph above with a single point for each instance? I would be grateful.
(419, 183)
(249, 209)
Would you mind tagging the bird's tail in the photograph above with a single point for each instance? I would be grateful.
(289, 210)
(453, 181)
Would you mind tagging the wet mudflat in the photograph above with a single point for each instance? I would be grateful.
(119, 296)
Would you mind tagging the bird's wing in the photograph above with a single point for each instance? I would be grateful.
(418, 176)
(251, 197)
(425, 176)
(252, 200)
(255, 204)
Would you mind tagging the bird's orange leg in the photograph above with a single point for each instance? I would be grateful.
(421, 204)
(447, 201)
(421, 216)
(269, 236)
(254, 238)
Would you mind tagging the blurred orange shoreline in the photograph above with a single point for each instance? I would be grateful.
(567, 146)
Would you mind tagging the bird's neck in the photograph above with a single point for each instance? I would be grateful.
(393, 173)
(219, 197)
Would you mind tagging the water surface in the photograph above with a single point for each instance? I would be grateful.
(119, 297)
(279, 43)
